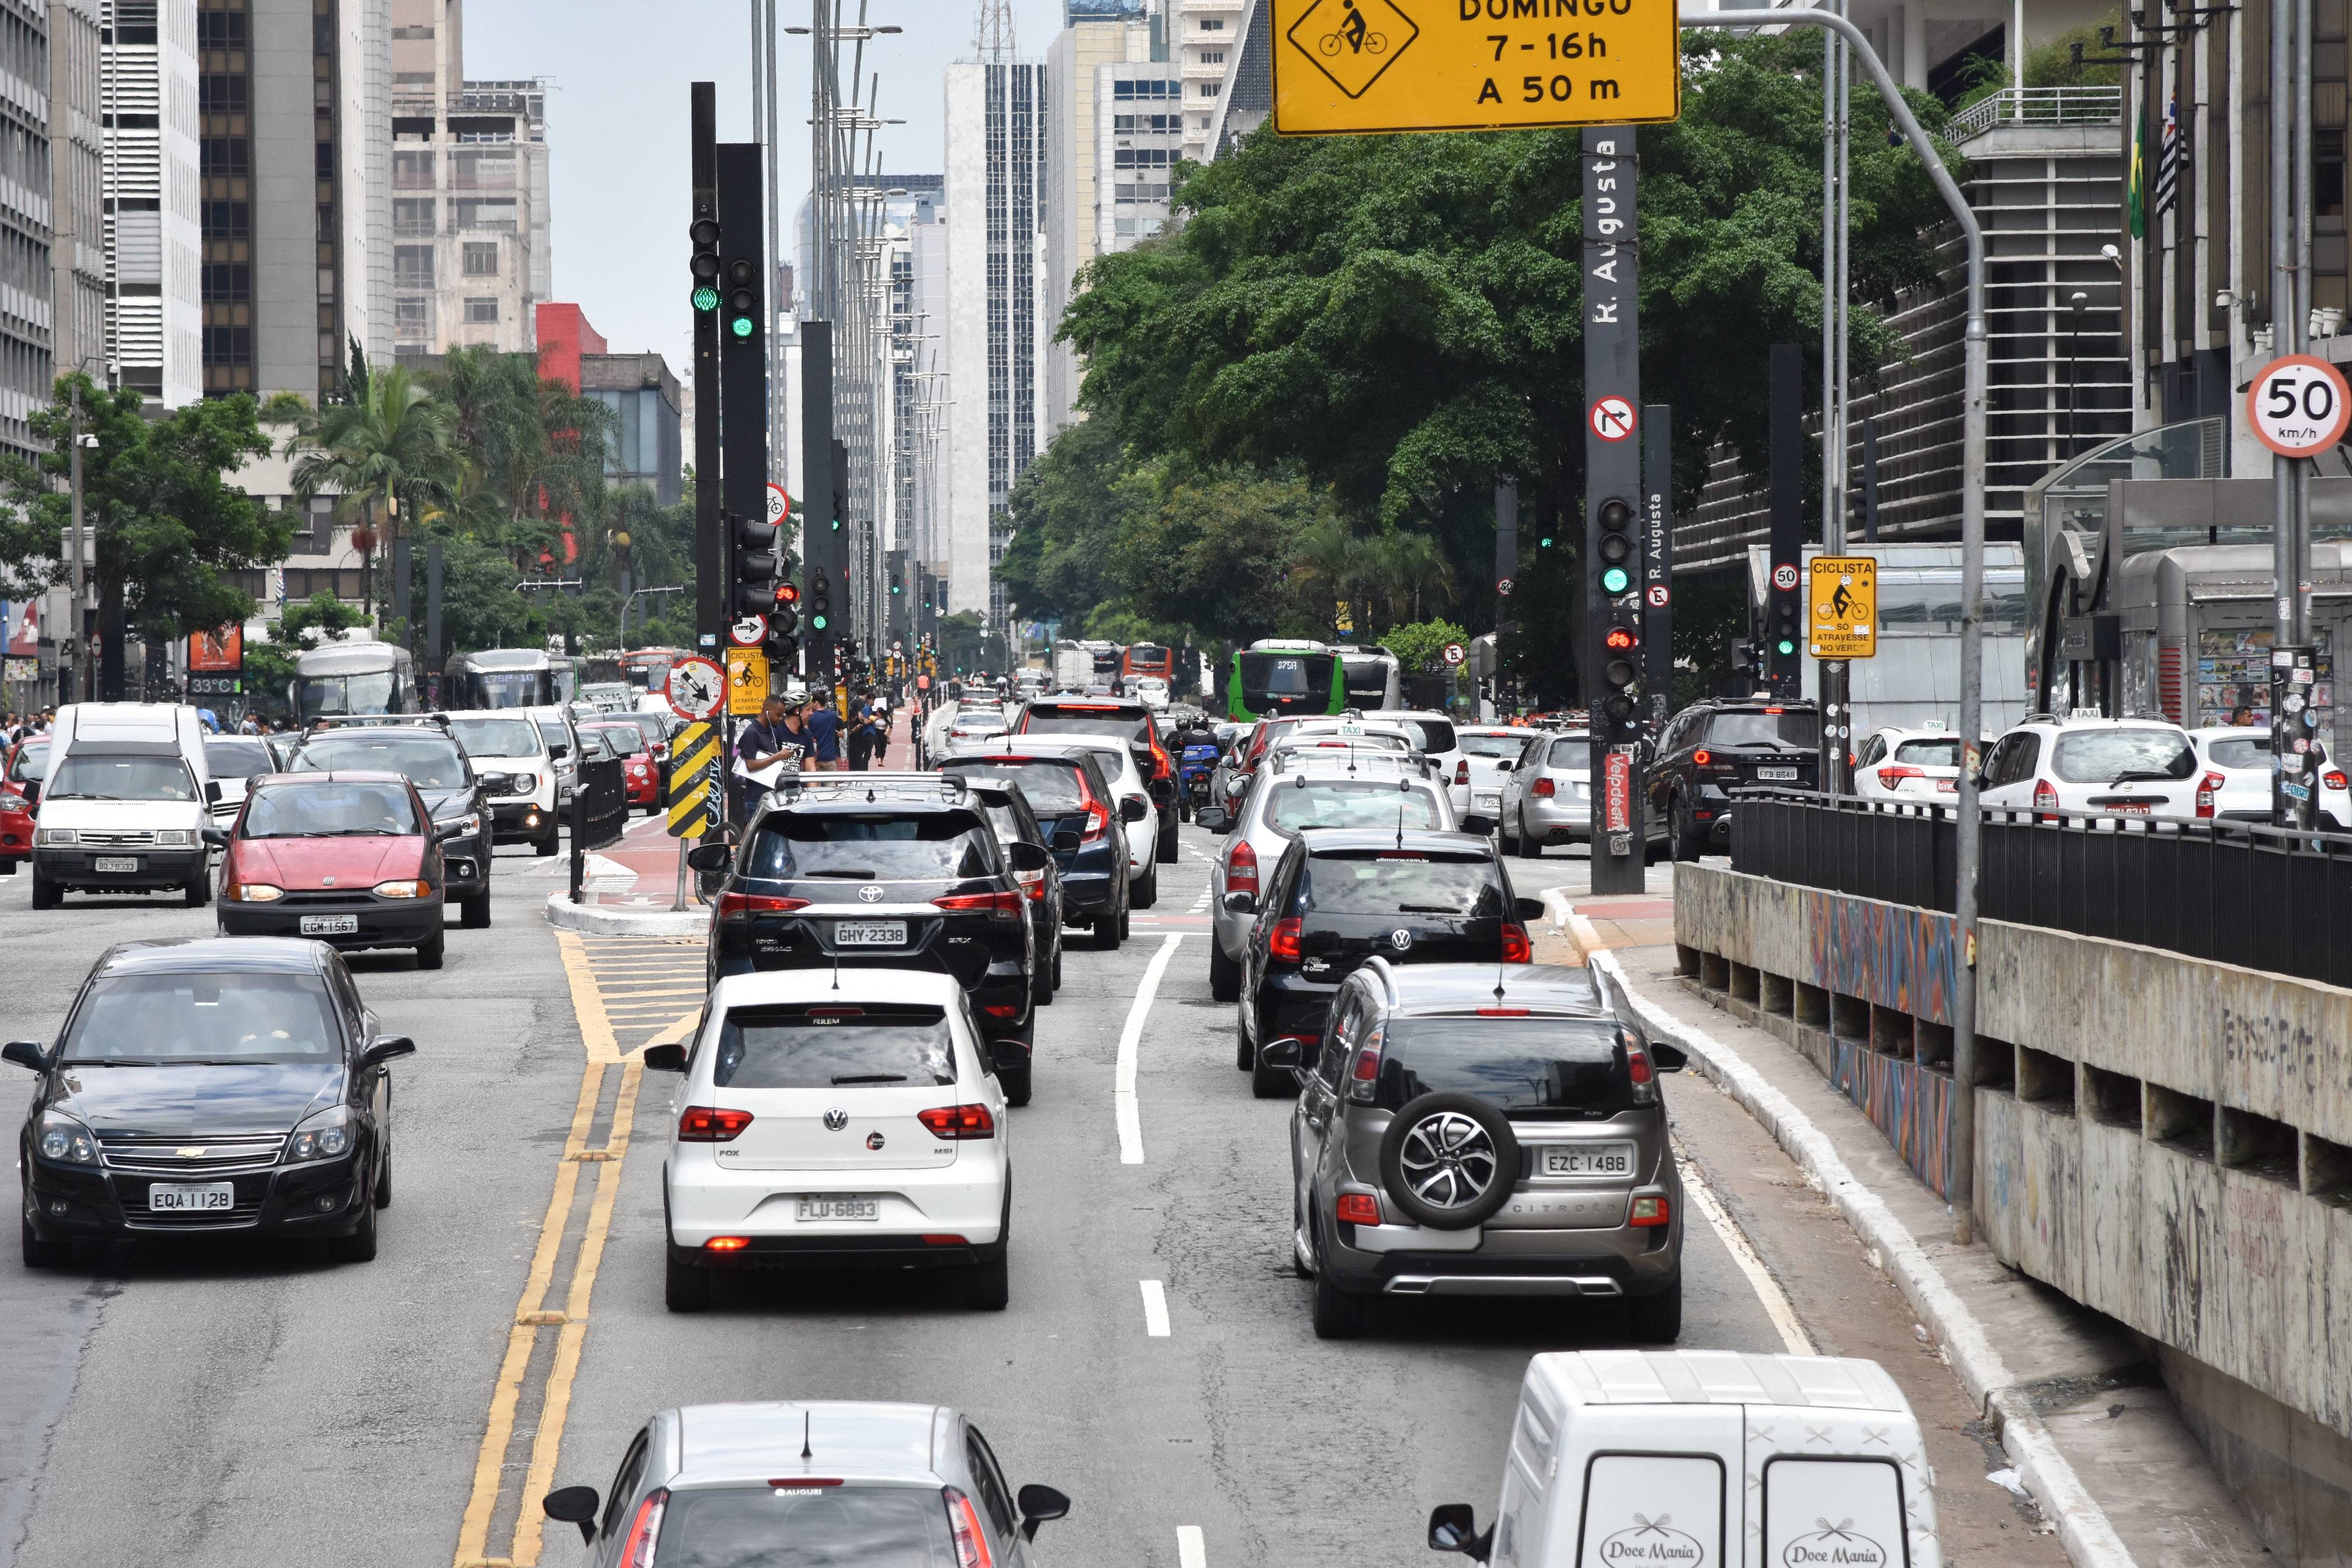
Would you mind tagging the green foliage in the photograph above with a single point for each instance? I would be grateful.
(965, 648)
(1420, 647)
(1710, 613)
(270, 666)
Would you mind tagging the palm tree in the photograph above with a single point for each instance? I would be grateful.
(1400, 564)
(390, 448)
(1330, 553)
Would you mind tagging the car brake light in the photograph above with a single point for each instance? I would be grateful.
(1001, 1009)
(955, 1122)
(1359, 1208)
(2332, 779)
(1701, 757)
(1365, 1075)
(1890, 775)
(2205, 788)
(644, 1532)
(963, 1524)
(1462, 771)
(1651, 1211)
(709, 1124)
(1282, 943)
(726, 1244)
(2045, 795)
(1001, 906)
(1241, 868)
(1503, 1013)
(1544, 788)
(1516, 946)
(743, 905)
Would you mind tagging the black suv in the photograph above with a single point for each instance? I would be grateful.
(1129, 721)
(884, 871)
(1006, 806)
(1075, 804)
(1712, 747)
(424, 750)
(1341, 896)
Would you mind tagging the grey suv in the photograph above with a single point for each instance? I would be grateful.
(1462, 1132)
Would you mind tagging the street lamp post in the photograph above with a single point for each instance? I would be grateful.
(631, 598)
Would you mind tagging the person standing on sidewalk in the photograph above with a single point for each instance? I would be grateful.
(825, 734)
(772, 737)
(859, 741)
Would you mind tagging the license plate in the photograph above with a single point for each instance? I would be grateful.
(2126, 808)
(1490, 801)
(1588, 1160)
(870, 934)
(330, 925)
(1778, 774)
(161, 1199)
(827, 1207)
(126, 864)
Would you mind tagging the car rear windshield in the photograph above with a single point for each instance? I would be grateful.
(1054, 787)
(495, 737)
(432, 760)
(1513, 1063)
(1929, 753)
(1103, 722)
(805, 1527)
(1764, 727)
(933, 846)
(834, 1047)
(1436, 734)
(2106, 756)
(626, 740)
(2251, 750)
(236, 759)
(1400, 881)
(86, 776)
(1294, 808)
(1006, 821)
(330, 809)
(1330, 741)
(233, 1018)
(1491, 745)
(1575, 754)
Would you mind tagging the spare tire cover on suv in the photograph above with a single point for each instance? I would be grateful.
(1449, 1160)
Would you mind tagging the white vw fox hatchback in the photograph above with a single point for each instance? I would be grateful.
(835, 1120)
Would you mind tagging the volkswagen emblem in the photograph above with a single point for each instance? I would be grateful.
(834, 1120)
(873, 1140)
(1400, 938)
(869, 894)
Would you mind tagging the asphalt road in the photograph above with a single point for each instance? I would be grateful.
(227, 1406)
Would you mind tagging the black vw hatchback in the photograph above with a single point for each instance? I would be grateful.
(885, 871)
(227, 1084)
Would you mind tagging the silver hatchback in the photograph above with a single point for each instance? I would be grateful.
(1547, 794)
(797, 1484)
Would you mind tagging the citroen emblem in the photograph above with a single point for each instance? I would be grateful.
(1401, 939)
(834, 1120)
(869, 894)
(195, 1152)
(873, 1140)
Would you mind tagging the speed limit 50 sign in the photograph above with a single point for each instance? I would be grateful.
(2298, 405)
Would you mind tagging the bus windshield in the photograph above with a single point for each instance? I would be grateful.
(321, 696)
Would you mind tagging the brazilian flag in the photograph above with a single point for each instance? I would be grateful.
(2135, 195)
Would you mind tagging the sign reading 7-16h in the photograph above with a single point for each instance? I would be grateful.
(1345, 68)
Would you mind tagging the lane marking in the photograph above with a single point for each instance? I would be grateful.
(1155, 1310)
(1122, 1093)
(1767, 1290)
(1191, 1551)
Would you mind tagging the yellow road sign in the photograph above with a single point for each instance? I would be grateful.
(694, 780)
(747, 680)
(1345, 68)
(1843, 593)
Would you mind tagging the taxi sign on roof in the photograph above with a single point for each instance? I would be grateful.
(1345, 68)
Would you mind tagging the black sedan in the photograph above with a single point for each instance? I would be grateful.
(210, 1086)
(1007, 808)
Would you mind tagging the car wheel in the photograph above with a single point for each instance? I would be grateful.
(1448, 1160)
(549, 845)
(1057, 962)
(1126, 920)
(383, 1181)
(475, 911)
(987, 1287)
(1274, 1083)
(1148, 891)
(1510, 846)
(360, 1245)
(1167, 846)
(1015, 1082)
(1527, 848)
(1245, 1054)
(1688, 844)
(40, 1254)
(199, 891)
(685, 1287)
(1656, 1320)
(47, 894)
(1338, 1314)
(1224, 974)
(1041, 985)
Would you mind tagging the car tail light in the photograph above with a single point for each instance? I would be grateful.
(1000, 906)
(1517, 948)
(1651, 1211)
(1282, 943)
(743, 905)
(1241, 868)
(1163, 768)
(1359, 1208)
(2205, 788)
(2045, 795)
(803, 1482)
(1890, 775)
(963, 1526)
(1503, 1013)
(2332, 779)
(1462, 771)
(709, 1124)
(1701, 757)
(944, 1238)
(644, 1532)
(1364, 1077)
(1639, 1069)
(1034, 881)
(726, 1244)
(1544, 788)
(954, 1124)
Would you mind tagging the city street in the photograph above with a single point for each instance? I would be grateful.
(280, 1397)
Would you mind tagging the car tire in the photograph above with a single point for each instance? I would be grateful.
(360, 1245)
(430, 951)
(1508, 844)
(1273, 1083)
(988, 1287)
(1106, 933)
(1148, 890)
(1338, 1314)
(1245, 1054)
(1057, 963)
(1166, 849)
(548, 846)
(1041, 985)
(40, 1254)
(1688, 844)
(46, 895)
(1126, 920)
(1527, 848)
(475, 911)
(383, 1181)
(1015, 1082)
(1656, 1320)
(199, 891)
(1224, 974)
(1453, 1124)
(684, 1287)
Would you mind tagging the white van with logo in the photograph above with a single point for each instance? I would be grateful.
(1706, 1459)
(126, 805)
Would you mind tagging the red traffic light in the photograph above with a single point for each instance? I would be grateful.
(1619, 638)
(788, 593)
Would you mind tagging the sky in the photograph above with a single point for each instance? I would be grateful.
(617, 125)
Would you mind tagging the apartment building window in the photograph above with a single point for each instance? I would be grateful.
(226, 156)
(412, 215)
(1213, 56)
(221, 94)
(302, 582)
(1126, 89)
(411, 171)
(2328, 174)
(411, 317)
(486, 215)
(1213, 23)
(226, 280)
(482, 310)
(482, 259)
(412, 266)
(220, 29)
(1209, 89)
(227, 220)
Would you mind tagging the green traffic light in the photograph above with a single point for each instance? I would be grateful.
(837, 525)
(706, 298)
(741, 326)
(1545, 541)
(1614, 580)
(1786, 646)
(820, 621)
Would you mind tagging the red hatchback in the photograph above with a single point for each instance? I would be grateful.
(350, 859)
(640, 775)
(20, 797)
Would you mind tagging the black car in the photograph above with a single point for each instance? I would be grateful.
(432, 759)
(1006, 806)
(1072, 796)
(1131, 721)
(1713, 748)
(1339, 896)
(212, 1085)
(890, 872)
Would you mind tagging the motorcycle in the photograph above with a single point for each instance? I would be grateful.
(1192, 771)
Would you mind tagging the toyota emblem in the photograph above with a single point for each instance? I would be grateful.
(1400, 938)
(834, 1120)
(873, 1140)
(869, 894)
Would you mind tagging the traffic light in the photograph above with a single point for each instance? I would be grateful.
(742, 299)
(1620, 674)
(705, 265)
(1616, 546)
(757, 563)
(1786, 630)
(820, 603)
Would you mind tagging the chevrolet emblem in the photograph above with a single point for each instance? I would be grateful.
(192, 1153)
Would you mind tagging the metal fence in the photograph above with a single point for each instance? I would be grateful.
(2233, 892)
(600, 810)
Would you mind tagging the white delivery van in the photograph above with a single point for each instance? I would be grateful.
(126, 805)
(1706, 1459)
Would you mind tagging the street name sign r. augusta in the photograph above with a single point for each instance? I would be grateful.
(1349, 68)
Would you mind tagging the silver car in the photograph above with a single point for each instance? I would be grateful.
(796, 1484)
(1547, 794)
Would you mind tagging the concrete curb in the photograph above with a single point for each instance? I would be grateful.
(1573, 926)
(606, 919)
(2090, 1542)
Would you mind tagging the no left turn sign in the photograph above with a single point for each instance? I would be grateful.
(1611, 417)
(2299, 405)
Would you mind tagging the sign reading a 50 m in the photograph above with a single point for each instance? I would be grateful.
(1348, 67)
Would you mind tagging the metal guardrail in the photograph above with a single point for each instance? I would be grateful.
(2233, 892)
(600, 810)
(2040, 106)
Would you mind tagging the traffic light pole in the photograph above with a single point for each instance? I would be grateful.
(709, 540)
(1613, 484)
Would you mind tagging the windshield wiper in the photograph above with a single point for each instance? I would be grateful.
(2140, 776)
(110, 1062)
(1433, 909)
(869, 876)
(870, 1078)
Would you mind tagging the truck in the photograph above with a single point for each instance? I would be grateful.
(1073, 667)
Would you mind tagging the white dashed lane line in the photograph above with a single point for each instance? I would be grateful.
(1155, 1310)
(1124, 1109)
(1191, 1551)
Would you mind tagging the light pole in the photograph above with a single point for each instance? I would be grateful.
(85, 662)
(631, 598)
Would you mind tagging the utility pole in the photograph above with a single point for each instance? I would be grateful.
(2293, 795)
(710, 539)
(1835, 674)
(85, 659)
(1506, 567)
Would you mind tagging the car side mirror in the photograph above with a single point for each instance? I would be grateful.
(444, 831)
(1242, 903)
(383, 1048)
(1134, 810)
(1067, 840)
(1038, 1504)
(1453, 1527)
(559, 752)
(29, 1054)
(664, 1058)
(1282, 1053)
(1027, 856)
(573, 1505)
(1668, 1058)
(215, 837)
(1532, 909)
(212, 791)
(1210, 819)
(710, 856)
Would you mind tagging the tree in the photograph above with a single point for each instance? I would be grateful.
(270, 666)
(1419, 647)
(387, 454)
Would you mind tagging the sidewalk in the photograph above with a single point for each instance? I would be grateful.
(2091, 1431)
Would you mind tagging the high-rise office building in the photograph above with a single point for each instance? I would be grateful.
(1207, 45)
(77, 156)
(154, 310)
(1100, 33)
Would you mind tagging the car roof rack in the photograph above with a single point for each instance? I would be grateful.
(435, 719)
(900, 786)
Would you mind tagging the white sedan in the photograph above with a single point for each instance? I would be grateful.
(2236, 784)
(2125, 768)
(825, 1119)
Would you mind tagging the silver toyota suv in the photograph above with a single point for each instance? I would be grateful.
(1462, 1132)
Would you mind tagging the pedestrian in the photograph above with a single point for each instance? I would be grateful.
(859, 741)
(824, 734)
(881, 730)
(767, 740)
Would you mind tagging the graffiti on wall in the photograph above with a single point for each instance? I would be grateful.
(1905, 1102)
(1890, 954)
